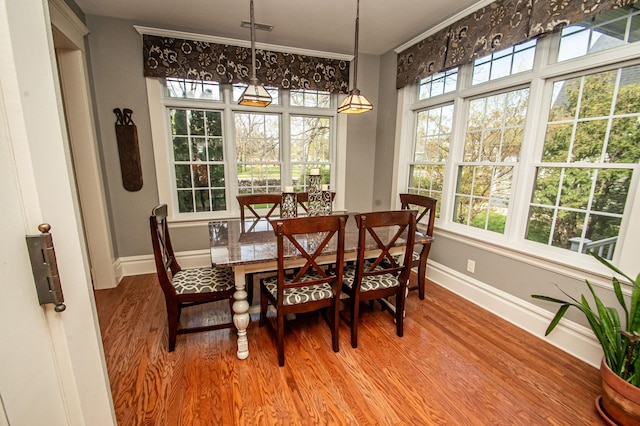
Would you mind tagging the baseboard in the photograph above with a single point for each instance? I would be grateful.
(139, 265)
(569, 336)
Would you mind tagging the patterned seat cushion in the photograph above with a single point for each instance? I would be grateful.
(295, 296)
(203, 280)
(369, 283)
(415, 256)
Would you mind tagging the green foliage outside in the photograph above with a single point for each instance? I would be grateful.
(589, 196)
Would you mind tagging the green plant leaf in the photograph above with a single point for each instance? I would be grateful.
(556, 319)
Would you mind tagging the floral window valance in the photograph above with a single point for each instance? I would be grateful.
(497, 26)
(200, 60)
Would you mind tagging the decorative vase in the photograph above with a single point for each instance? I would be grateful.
(326, 200)
(289, 203)
(619, 403)
(316, 207)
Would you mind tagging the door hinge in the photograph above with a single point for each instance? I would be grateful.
(45, 268)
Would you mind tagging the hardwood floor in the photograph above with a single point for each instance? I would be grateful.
(456, 365)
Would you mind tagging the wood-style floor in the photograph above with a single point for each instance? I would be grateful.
(456, 365)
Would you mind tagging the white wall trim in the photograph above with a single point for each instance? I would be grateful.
(71, 26)
(568, 336)
(145, 264)
(243, 43)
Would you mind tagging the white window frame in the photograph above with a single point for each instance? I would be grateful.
(540, 81)
(159, 104)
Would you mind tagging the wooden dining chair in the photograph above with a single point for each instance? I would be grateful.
(185, 287)
(256, 204)
(385, 276)
(426, 207)
(312, 286)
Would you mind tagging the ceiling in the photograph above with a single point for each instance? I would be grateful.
(325, 25)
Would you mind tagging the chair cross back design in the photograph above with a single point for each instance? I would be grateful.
(249, 201)
(384, 276)
(311, 287)
(385, 255)
(185, 287)
(426, 206)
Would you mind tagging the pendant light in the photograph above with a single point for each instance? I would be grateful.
(355, 103)
(255, 94)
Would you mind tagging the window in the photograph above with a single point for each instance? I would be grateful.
(438, 84)
(217, 149)
(493, 138)
(258, 153)
(310, 149)
(506, 62)
(198, 160)
(431, 152)
(612, 29)
(590, 151)
(541, 160)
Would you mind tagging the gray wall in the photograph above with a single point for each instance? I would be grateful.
(115, 50)
(385, 133)
(361, 141)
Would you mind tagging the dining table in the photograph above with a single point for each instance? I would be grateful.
(251, 247)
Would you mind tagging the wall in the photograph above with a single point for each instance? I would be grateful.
(118, 82)
(361, 140)
(385, 134)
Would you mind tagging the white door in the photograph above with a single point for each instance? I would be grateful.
(52, 369)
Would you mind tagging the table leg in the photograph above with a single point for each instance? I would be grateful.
(241, 313)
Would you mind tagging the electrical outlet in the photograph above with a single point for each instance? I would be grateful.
(471, 265)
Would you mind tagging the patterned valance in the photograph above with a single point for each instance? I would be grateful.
(200, 60)
(497, 26)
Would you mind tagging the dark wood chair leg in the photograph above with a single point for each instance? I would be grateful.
(263, 307)
(400, 314)
(335, 326)
(280, 339)
(248, 286)
(173, 314)
(354, 324)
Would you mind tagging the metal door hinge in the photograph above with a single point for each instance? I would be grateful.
(45, 268)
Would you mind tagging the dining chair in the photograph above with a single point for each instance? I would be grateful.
(311, 287)
(386, 275)
(426, 207)
(183, 288)
(303, 200)
(251, 202)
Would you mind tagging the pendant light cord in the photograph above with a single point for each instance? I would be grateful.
(253, 48)
(355, 59)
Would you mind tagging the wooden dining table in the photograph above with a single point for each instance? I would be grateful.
(255, 251)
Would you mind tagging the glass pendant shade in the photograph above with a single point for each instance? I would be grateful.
(355, 103)
(255, 94)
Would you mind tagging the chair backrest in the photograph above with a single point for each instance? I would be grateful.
(308, 237)
(303, 200)
(426, 206)
(166, 262)
(249, 201)
(386, 229)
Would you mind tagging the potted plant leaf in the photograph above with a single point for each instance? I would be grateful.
(620, 367)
